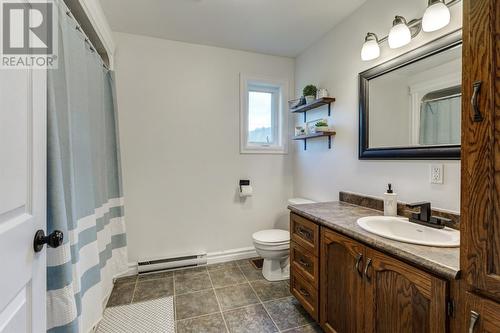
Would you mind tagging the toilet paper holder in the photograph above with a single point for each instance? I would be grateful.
(244, 182)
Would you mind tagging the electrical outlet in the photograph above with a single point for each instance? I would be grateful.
(436, 174)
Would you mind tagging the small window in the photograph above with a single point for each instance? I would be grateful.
(263, 116)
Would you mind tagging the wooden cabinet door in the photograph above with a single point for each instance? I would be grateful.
(341, 283)
(401, 298)
(482, 315)
(480, 197)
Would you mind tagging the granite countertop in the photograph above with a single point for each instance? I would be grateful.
(341, 217)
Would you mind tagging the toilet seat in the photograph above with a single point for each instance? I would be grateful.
(271, 245)
(272, 237)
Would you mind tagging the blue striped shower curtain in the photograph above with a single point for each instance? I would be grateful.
(84, 192)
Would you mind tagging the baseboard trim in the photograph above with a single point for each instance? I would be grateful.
(231, 255)
(212, 258)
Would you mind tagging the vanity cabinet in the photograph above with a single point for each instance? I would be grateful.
(342, 286)
(480, 182)
(363, 290)
(402, 298)
(304, 263)
(480, 197)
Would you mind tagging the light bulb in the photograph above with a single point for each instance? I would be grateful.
(400, 34)
(436, 16)
(371, 49)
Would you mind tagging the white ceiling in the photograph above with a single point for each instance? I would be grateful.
(278, 27)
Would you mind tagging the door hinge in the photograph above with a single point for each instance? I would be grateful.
(450, 308)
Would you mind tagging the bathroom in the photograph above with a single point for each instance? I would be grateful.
(192, 168)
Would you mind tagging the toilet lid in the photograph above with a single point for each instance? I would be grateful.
(272, 236)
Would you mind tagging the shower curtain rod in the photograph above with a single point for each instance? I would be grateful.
(80, 29)
(442, 98)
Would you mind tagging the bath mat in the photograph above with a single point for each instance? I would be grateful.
(156, 316)
(257, 263)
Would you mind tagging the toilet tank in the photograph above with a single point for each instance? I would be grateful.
(299, 201)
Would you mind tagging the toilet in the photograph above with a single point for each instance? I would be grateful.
(273, 246)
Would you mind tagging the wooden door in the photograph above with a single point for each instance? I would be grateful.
(480, 197)
(341, 283)
(402, 298)
(482, 315)
(22, 199)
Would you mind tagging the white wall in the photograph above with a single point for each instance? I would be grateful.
(179, 131)
(334, 63)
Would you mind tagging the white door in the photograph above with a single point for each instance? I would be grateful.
(22, 199)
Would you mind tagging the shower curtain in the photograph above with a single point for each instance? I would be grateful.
(84, 192)
(440, 122)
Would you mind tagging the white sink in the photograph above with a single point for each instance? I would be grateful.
(400, 229)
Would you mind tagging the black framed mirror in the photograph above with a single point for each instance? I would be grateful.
(410, 106)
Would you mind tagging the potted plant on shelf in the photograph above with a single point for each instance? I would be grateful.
(322, 126)
(300, 130)
(310, 93)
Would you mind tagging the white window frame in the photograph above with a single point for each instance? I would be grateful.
(280, 115)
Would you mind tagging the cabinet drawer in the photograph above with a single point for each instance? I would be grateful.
(305, 233)
(304, 263)
(305, 293)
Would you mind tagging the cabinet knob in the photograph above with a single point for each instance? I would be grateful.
(474, 316)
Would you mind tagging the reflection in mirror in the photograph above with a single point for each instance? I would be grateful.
(418, 104)
(440, 117)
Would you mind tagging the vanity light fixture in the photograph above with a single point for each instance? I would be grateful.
(436, 16)
(400, 34)
(371, 49)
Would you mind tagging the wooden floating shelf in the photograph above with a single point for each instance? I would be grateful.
(316, 135)
(313, 105)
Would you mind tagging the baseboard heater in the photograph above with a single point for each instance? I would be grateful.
(165, 264)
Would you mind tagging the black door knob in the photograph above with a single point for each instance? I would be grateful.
(55, 239)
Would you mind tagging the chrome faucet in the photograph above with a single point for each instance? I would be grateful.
(424, 217)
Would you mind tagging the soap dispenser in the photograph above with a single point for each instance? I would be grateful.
(390, 202)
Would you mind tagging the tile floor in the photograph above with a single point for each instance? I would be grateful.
(230, 297)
